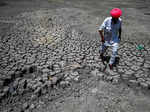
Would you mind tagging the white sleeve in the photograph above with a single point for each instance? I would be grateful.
(103, 24)
(120, 22)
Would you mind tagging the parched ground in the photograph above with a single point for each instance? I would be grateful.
(49, 57)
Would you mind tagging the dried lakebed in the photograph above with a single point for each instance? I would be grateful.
(47, 63)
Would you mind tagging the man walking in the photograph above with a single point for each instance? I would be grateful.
(110, 33)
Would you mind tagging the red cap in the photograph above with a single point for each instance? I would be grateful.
(116, 13)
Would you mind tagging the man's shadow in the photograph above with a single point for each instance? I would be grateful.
(107, 58)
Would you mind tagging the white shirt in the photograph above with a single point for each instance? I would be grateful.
(111, 30)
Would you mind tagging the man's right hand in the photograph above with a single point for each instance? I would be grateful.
(102, 36)
(103, 41)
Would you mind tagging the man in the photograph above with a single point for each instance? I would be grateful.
(110, 33)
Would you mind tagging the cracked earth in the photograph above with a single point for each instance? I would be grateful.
(49, 61)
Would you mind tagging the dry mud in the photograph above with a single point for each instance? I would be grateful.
(49, 57)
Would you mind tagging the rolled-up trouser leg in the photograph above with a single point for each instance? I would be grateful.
(114, 53)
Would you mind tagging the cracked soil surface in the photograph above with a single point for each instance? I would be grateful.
(49, 57)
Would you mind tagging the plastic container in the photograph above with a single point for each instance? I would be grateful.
(140, 47)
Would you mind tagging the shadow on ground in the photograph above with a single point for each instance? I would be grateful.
(2, 4)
